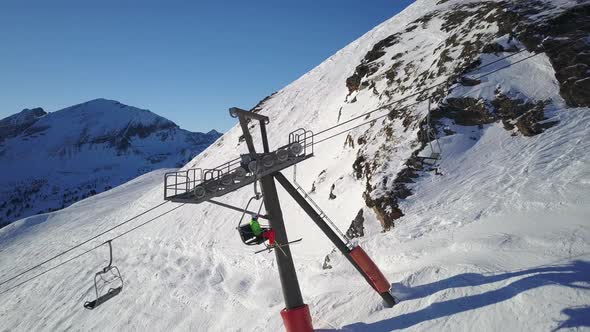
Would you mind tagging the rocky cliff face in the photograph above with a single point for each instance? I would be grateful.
(439, 57)
(51, 160)
(476, 63)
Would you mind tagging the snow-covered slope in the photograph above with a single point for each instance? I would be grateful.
(49, 161)
(495, 238)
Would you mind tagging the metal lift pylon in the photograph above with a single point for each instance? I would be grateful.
(202, 185)
(296, 314)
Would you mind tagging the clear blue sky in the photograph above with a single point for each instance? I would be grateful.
(188, 61)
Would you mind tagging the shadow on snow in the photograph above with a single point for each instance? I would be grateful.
(575, 275)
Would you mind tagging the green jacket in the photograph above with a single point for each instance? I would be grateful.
(255, 226)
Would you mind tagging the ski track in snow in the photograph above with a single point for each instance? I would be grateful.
(499, 242)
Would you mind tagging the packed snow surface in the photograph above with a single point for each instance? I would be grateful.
(499, 241)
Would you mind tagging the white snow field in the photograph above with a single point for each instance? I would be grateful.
(499, 242)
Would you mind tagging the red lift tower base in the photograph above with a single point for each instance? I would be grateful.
(297, 319)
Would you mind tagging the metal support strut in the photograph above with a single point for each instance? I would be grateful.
(356, 256)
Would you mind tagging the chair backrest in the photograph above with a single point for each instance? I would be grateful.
(248, 236)
(246, 232)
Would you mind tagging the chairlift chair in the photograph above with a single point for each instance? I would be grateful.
(430, 136)
(108, 275)
(246, 233)
(248, 236)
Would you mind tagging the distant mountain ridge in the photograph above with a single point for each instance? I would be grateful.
(15, 124)
(51, 160)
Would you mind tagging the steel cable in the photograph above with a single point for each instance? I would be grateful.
(80, 244)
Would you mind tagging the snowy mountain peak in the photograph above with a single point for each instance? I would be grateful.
(51, 160)
(214, 132)
(111, 115)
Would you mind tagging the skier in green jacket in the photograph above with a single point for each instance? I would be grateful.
(266, 234)
(255, 226)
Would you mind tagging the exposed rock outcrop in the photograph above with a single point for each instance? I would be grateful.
(357, 226)
(474, 30)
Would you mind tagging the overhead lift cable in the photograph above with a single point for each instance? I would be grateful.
(86, 252)
(446, 82)
(349, 129)
(382, 107)
(84, 242)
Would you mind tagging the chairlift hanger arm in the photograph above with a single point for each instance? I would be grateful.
(110, 255)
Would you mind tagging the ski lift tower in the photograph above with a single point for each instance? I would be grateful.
(203, 185)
